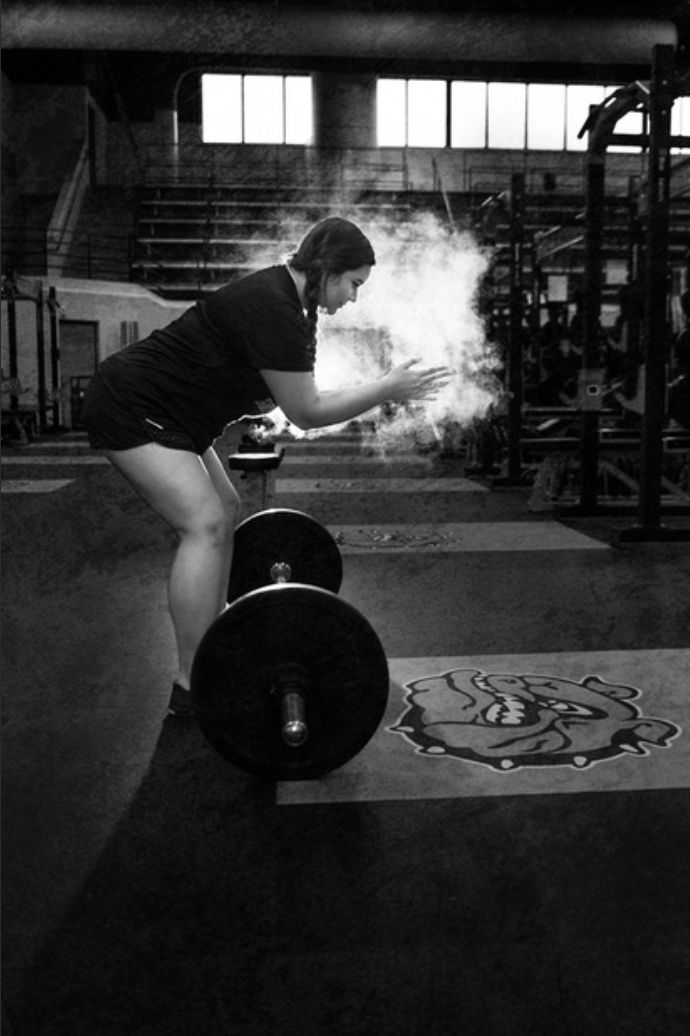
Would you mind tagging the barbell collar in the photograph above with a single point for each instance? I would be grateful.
(281, 572)
(294, 729)
(291, 686)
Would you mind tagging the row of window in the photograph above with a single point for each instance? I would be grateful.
(251, 109)
(435, 113)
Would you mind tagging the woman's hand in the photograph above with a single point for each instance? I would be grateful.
(307, 406)
(425, 383)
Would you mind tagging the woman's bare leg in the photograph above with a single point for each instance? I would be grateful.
(178, 486)
(232, 503)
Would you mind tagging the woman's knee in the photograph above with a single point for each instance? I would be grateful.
(214, 525)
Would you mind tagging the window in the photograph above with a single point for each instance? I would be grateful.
(680, 122)
(467, 114)
(507, 106)
(546, 116)
(426, 113)
(630, 123)
(263, 110)
(391, 112)
(254, 109)
(298, 110)
(411, 112)
(221, 109)
(578, 101)
(536, 116)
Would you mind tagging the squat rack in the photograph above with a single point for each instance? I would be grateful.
(656, 98)
(46, 399)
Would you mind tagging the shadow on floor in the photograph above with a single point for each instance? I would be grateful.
(212, 910)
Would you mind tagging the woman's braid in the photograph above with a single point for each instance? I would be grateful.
(313, 289)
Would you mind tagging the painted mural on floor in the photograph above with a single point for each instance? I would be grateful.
(515, 725)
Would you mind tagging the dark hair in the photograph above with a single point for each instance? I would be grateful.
(332, 246)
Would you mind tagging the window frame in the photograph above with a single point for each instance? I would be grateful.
(241, 100)
(568, 132)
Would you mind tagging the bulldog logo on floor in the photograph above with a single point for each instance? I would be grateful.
(507, 721)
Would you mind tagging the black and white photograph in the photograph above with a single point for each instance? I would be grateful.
(345, 518)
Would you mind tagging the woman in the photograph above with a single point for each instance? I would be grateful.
(156, 407)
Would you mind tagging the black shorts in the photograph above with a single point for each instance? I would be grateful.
(110, 426)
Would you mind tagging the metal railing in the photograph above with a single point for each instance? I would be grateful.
(98, 256)
(310, 173)
(65, 216)
(270, 166)
(438, 187)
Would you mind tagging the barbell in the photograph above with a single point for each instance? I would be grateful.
(291, 681)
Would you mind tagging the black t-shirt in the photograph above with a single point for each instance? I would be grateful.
(202, 371)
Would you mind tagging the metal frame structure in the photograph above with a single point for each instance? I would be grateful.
(656, 98)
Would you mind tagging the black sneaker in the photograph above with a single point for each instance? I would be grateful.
(180, 702)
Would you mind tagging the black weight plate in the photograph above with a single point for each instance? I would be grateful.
(281, 534)
(257, 638)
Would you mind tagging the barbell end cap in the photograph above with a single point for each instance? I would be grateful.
(295, 733)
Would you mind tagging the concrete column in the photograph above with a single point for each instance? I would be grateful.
(344, 110)
(344, 120)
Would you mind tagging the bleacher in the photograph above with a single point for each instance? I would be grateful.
(189, 239)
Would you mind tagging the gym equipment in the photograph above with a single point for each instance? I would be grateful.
(255, 455)
(290, 681)
(283, 535)
(45, 306)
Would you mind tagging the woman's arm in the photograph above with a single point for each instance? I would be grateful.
(307, 406)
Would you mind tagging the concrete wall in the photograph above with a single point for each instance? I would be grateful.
(44, 127)
(346, 167)
(8, 152)
(47, 129)
(109, 304)
(343, 154)
(333, 31)
(344, 110)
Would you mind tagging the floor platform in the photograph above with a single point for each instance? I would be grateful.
(507, 856)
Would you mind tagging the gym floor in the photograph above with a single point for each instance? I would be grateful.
(507, 856)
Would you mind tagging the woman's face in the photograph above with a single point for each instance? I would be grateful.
(339, 288)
